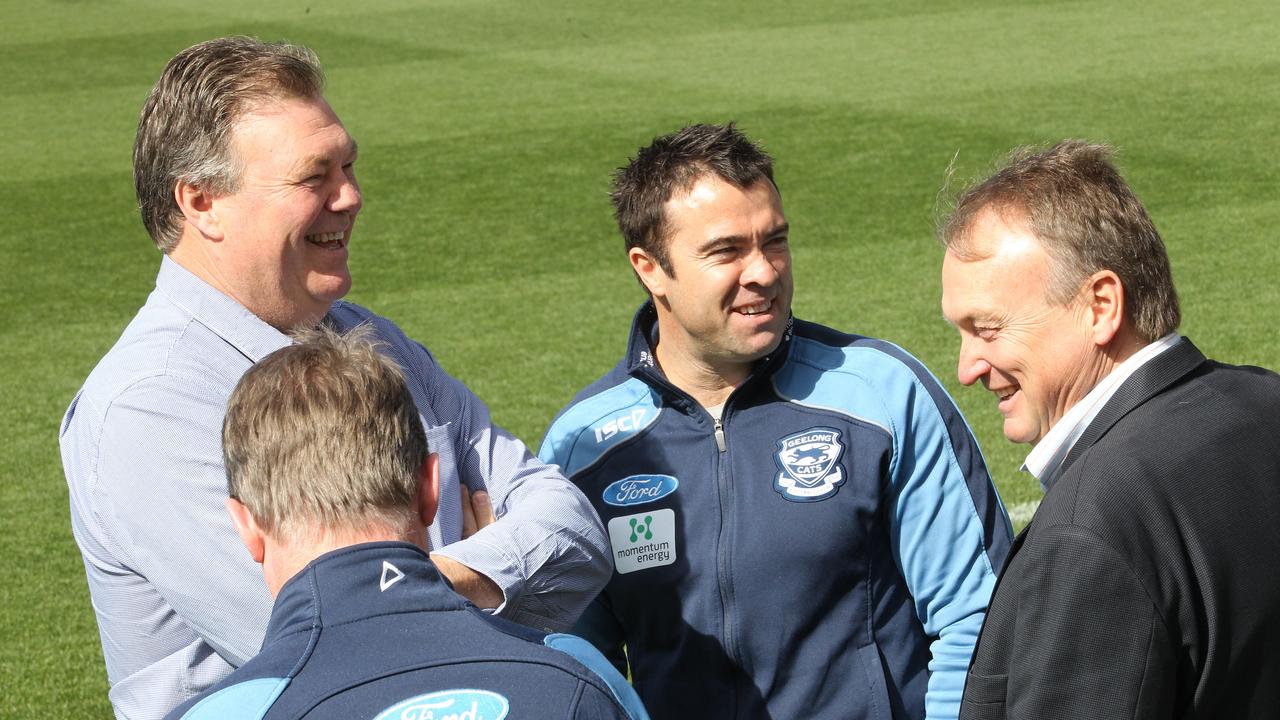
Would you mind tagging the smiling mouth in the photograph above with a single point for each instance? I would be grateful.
(756, 309)
(1002, 395)
(328, 241)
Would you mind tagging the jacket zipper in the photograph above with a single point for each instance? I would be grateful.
(723, 553)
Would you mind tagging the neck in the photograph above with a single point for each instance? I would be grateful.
(1123, 347)
(706, 382)
(288, 553)
(195, 259)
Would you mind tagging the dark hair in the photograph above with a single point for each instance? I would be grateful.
(1071, 196)
(184, 131)
(672, 164)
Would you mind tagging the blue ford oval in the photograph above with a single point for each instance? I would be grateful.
(639, 489)
(446, 704)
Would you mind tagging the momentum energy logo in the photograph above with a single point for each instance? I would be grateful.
(449, 705)
(643, 541)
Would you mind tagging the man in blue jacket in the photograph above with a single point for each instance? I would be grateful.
(332, 488)
(800, 521)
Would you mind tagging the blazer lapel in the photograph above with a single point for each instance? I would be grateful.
(1150, 379)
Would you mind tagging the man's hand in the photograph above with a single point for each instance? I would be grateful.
(476, 511)
(479, 589)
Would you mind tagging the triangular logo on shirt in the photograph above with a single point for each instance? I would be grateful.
(390, 576)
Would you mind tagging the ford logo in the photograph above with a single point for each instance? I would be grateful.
(449, 705)
(639, 489)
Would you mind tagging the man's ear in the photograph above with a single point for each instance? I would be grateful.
(429, 488)
(649, 271)
(247, 527)
(1104, 293)
(197, 205)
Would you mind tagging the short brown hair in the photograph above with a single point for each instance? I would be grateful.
(672, 164)
(324, 433)
(184, 131)
(1072, 197)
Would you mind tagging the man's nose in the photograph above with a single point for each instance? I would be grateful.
(347, 197)
(971, 366)
(760, 270)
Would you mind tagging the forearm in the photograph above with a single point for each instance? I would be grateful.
(474, 586)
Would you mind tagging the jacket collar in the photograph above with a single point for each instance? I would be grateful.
(357, 582)
(1146, 382)
(641, 361)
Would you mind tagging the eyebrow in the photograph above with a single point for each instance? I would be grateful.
(312, 161)
(773, 232)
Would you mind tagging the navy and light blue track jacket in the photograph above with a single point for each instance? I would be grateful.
(373, 631)
(826, 550)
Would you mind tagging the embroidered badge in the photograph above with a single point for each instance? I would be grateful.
(809, 465)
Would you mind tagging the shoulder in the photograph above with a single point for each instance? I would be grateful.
(164, 356)
(580, 658)
(819, 349)
(1205, 447)
(863, 376)
(607, 412)
(347, 315)
(251, 690)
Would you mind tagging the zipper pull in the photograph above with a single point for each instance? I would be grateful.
(719, 435)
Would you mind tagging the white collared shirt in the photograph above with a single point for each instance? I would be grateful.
(1045, 460)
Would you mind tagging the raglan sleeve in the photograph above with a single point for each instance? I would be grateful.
(948, 528)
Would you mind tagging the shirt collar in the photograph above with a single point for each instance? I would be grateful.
(230, 320)
(1044, 462)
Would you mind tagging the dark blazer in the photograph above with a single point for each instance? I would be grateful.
(1148, 583)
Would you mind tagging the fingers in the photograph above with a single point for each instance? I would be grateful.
(482, 509)
(476, 510)
(469, 527)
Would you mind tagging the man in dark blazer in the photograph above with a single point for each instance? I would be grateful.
(1148, 583)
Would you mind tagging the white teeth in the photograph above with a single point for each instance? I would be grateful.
(325, 238)
(757, 308)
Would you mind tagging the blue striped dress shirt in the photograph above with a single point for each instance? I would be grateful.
(179, 601)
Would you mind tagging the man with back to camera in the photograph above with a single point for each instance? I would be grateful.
(246, 181)
(1146, 585)
(332, 487)
(801, 523)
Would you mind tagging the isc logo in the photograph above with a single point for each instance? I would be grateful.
(623, 423)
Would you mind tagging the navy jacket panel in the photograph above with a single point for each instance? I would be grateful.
(844, 538)
(373, 630)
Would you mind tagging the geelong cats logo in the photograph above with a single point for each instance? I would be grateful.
(809, 465)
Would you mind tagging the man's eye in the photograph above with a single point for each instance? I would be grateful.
(986, 333)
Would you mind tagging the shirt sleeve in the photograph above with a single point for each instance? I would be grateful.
(178, 599)
(547, 550)
(949, 532)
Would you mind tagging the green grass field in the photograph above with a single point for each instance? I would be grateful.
(488, 131)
